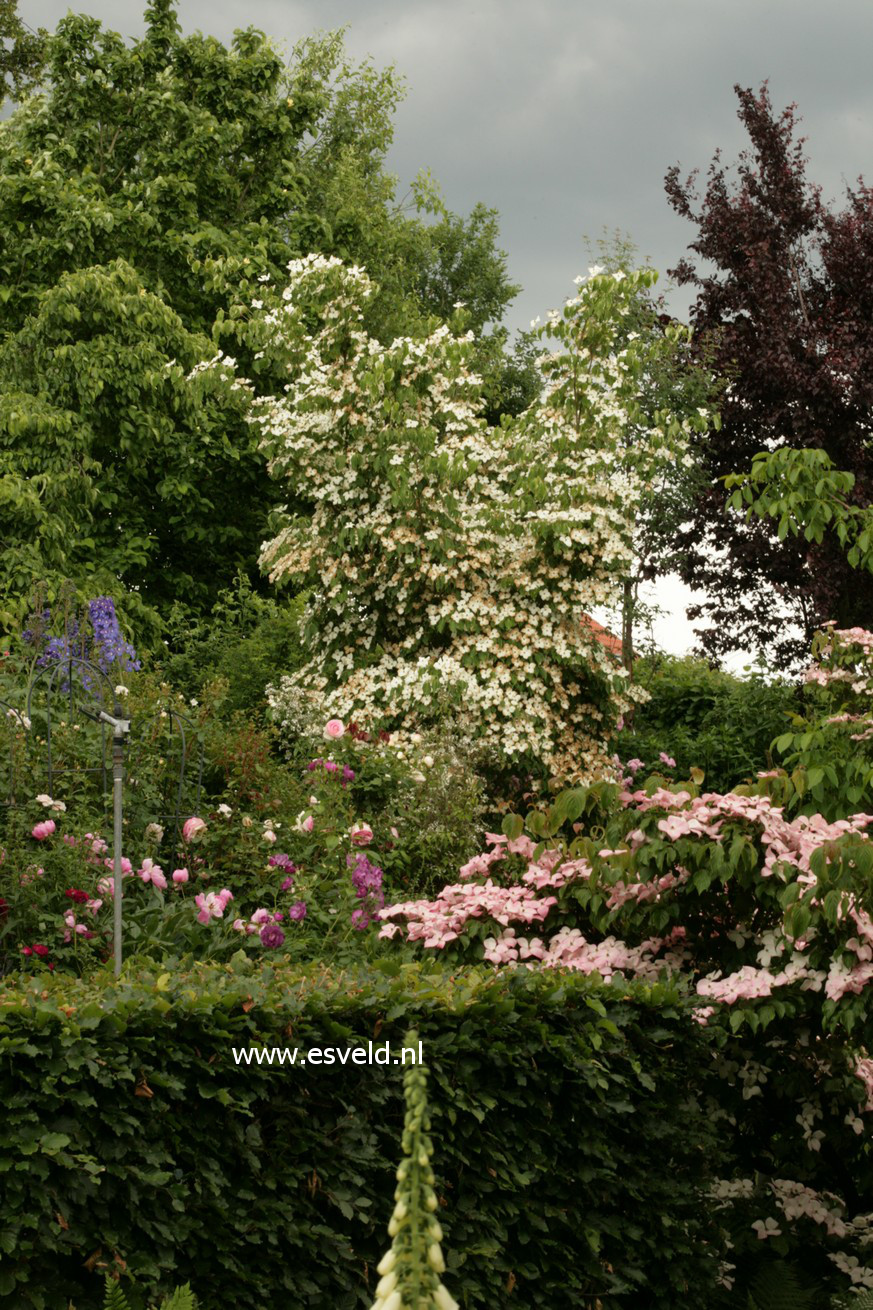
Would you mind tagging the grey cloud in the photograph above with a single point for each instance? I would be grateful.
(565, 115)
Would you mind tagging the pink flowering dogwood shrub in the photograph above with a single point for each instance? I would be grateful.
(767, 919)
(827, 755)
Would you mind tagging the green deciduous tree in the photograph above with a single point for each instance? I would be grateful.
(118, 467)
(142, 197)
(22, 51)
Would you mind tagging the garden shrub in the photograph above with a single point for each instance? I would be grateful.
(445, 558)
(705, 718)
(570, 1158)
(825, 752)
(244, 641)
(770, 921)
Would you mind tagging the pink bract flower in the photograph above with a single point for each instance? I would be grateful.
(42, 830)
(334, 729)
(192, 828)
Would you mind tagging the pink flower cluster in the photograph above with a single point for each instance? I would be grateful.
(437, 922)
(750, 983)
(864, 1071)
(568, 949)
(799, 1202)
(259, 919)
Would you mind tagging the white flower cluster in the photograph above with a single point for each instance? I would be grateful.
(444, 557)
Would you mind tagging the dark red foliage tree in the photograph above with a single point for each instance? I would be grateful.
(785, 304)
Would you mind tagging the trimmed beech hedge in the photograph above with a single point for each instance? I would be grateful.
(571, 1154)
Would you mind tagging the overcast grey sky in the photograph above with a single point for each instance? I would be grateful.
(564, 115)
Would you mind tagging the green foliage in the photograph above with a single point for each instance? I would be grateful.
(22, 52)
(825, 753)
(808, 495)
(120, 467)
(776, 1287)
(243, 641)
(863, 1301)
(115, 1298)
(704, 718)
(142, 196)
(181, 1299)
(571, 1152)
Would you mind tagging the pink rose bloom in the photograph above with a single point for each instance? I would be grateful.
(192, 828)
(211, 905)
(305, 823)
(361, 834)
(269, 836)
(106, 886)
(180, 875)
(334, 729)
(42, 830)
(126, 866)
(153, 873)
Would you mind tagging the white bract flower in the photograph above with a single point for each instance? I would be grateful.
(418, 520)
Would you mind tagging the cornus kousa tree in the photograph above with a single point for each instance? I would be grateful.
(769, 920)
(450, 561)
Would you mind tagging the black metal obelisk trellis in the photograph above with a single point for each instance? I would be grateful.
(87, 689)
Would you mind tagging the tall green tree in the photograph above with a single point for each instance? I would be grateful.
(144, 196)
(22, 52)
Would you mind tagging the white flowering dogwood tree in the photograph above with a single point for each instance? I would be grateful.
(446, 560)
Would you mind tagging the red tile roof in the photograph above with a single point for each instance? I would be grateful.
(603, 635)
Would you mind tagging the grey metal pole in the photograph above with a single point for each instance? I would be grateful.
(117, 779)
(119, 728)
